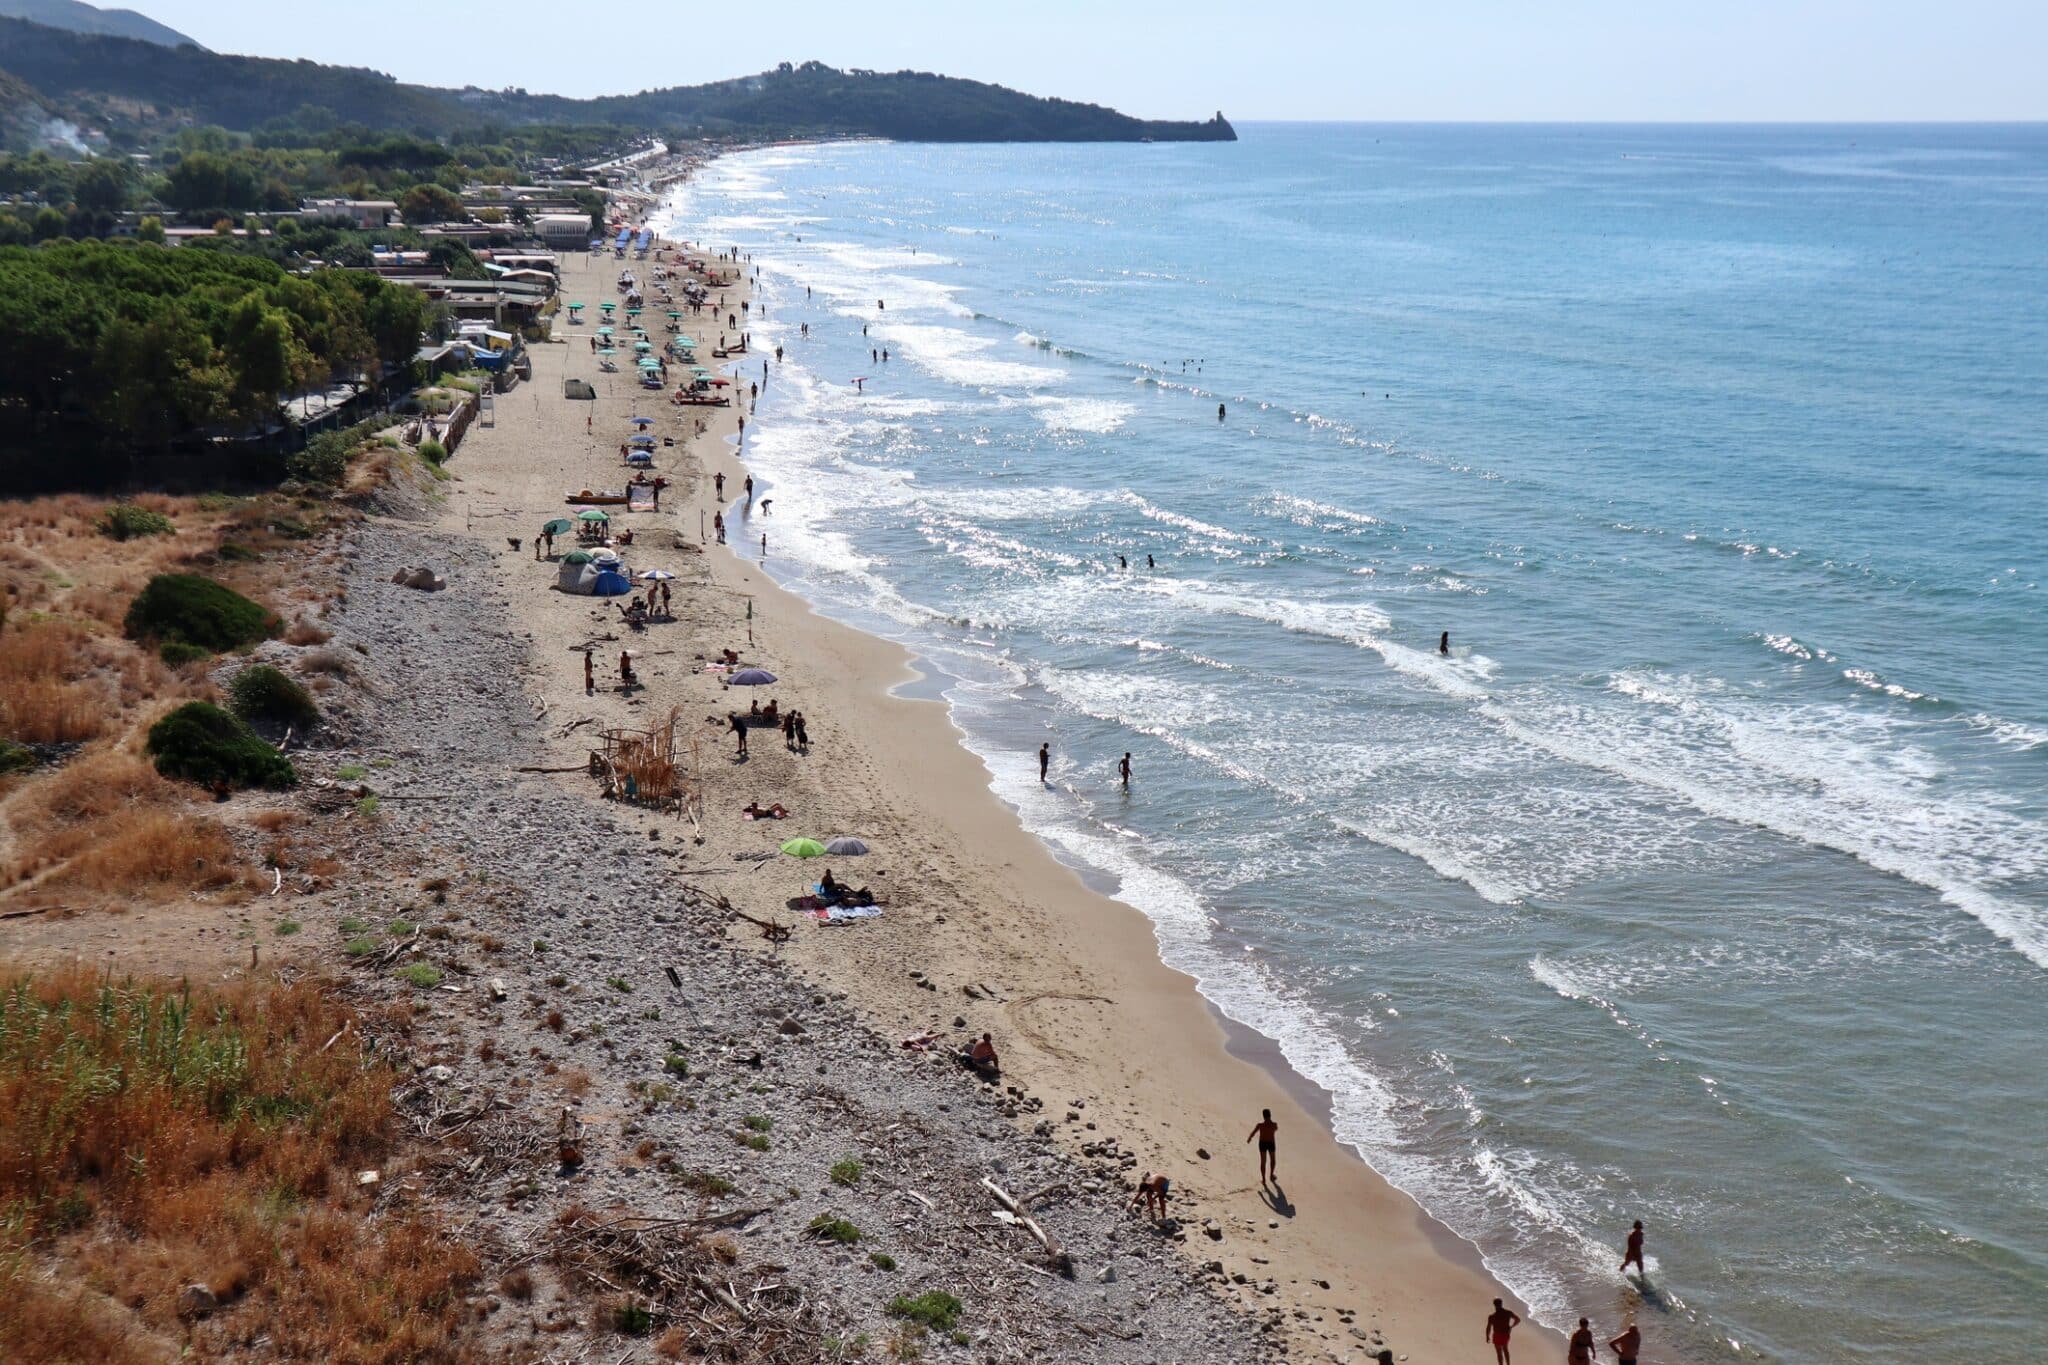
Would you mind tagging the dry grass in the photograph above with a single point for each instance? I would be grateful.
(109, 823)
(153, 1136)
(47, 692)
(304, 632)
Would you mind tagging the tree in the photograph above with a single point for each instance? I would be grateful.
(102, 185)
(199, 181)
(150, 229)
(48, 224)
(429, 204)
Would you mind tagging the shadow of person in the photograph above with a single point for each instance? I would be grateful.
(1276, 1199)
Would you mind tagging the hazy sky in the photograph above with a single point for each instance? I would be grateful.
(1702, 60)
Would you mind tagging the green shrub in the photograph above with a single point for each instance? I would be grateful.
(830, 1228)
(847, 1172)
(633, 1320)
(676, 1064)
(937, 1309)
(236, 553)
(754, 1142)
(16, 758)
(421, 974)
(705, 1183)
(759, 1123)
(360, 947)
(287, 927)
(125, 521)
(176, 652)
(433, 452)
(201, 743)
(193, 610)
(325, 458)
(260, 692)
(881, 1260)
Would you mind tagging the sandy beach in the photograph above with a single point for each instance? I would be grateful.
(981, 929)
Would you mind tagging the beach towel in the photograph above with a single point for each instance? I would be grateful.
(844, 914)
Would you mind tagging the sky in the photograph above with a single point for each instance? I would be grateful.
(1427, 60)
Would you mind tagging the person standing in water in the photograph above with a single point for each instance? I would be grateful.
(1265, 1130)
(1443, 643)
(1635, 1249)
(1219, 412)
(1044, 761)
(1500, 1325)
(1123, 770)
(1627, 1346)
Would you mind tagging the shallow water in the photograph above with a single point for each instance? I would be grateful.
(1705, 880)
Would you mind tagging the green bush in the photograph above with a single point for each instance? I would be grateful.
(881, 1260)
(235, 553)
(632, 1320)
(433, 452)
(15, 758)
(125, 521)
(175, 652)
(830, 1228)
(261, 692)
(847, 1172)
(324, 460)
(421, 974)
(937, 1309)
(193, 610)
(201, 743)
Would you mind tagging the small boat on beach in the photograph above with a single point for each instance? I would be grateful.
(605, 498)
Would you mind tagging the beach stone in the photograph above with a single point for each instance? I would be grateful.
(196, 1301)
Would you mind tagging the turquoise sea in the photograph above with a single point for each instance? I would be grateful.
(1705, 879)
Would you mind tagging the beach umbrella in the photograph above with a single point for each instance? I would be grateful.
(607, 350)
(641, 421)
(558, 526)
(576, 557)
(674, 313)
(645, 442)
(633, 312)
(656, 575)
(846, 846)
(804, 848)
(643, 345)
(752, 677)
(593, 514)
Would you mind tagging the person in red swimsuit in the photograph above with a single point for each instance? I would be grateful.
(1500, 1324)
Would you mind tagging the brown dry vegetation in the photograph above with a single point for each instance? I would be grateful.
(99, 823)
(154, 1137)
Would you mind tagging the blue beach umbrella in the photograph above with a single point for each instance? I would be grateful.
(641, 421)
(751, 677)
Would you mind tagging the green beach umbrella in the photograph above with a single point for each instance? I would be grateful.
(633, 312)
(593, 514)
(804, 848)
(674, 313)
(557, 527)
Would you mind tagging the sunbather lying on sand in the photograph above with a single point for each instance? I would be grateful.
(754, 811)
(919, 1042)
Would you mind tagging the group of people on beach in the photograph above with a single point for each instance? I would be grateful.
(1583, 1347)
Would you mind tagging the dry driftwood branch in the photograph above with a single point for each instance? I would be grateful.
(1029, 1224)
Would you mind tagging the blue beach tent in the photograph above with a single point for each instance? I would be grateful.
(611, 585)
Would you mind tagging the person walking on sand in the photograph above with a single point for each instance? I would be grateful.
(1044, 761)
(1634, 1251)
(1582, 1349)
(718, 526)
(1627, 1346)
(718, 483)
(1265, 1130)
(1500, 1324)
(589, 674)
(803, 735)
(1123, 770)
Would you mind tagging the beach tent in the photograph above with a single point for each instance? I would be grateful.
(577, 388)
(609, 584)
(575, 577)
